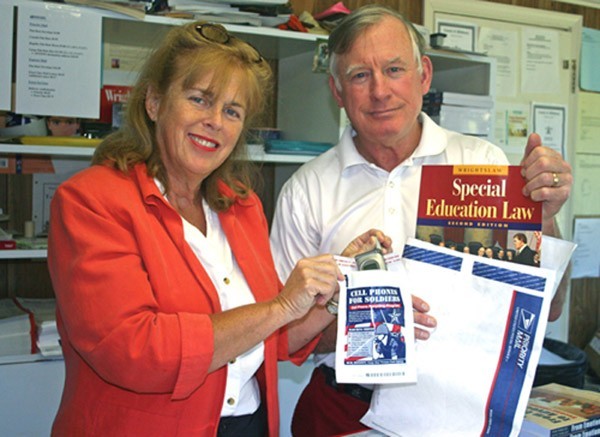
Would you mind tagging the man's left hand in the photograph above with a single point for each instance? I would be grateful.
(548, 176)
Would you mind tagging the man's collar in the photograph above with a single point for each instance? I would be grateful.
(433, 142)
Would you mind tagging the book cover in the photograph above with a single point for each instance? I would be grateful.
(480, 209)
(556, 410)
(110, 95)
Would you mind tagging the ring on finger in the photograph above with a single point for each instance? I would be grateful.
(555, 180)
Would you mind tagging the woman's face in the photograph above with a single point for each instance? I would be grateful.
(196, 129)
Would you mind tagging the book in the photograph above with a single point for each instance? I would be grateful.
(458, 99)
(555, 410)
(109, 96)
(480, 209)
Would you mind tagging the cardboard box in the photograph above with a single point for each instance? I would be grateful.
(8, 244)
(593, 352)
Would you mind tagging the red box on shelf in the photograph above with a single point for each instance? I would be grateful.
(8, 244)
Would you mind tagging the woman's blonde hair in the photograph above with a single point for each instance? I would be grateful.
(188, 56)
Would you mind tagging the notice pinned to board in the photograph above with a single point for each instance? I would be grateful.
(587, 169)
(500, 44)
(539, 58)
(58, 55)
(550, 122)
(6, 36)
(590, 60)
(586, 233)
(588, 123)
(459, 35)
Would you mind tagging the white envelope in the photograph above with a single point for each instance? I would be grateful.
(476, 371)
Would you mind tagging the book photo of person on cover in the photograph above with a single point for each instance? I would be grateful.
(523, 253)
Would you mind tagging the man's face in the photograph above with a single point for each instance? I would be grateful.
(518, 243)
(381, 87)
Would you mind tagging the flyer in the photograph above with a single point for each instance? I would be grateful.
(375, 341)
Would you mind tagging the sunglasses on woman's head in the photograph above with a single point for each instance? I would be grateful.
(217, 34)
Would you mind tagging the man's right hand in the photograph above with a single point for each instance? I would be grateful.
(420, 309)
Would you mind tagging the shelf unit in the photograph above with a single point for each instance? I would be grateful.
(255, 151)
(303, 110)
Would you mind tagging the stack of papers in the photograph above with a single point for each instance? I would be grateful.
(47, 340)
(468, 114)
(267, 13)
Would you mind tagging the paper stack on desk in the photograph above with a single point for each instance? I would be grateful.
(267, 13)
(43, 311)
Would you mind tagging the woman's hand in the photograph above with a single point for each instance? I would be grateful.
(313, 281)
(420, 309)
(367, 241)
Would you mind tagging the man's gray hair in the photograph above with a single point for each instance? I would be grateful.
(345, 34)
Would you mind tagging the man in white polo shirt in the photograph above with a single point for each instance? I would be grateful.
(371, 179)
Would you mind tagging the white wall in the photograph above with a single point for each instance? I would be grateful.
(30, 397)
